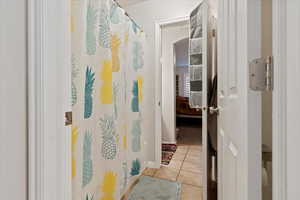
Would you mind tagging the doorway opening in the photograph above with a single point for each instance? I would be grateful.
(267, 101)
(181, 130)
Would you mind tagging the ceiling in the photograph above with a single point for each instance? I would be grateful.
(129, 2)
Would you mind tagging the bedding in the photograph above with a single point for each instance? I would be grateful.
(183, 107)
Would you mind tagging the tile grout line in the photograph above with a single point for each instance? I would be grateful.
(182, 163)
(185, 157)
(201, 187)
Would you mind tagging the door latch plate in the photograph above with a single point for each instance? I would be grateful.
(68, 118)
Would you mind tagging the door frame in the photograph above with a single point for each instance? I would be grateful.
(49, 68)
(279, 100)
(38, 50)
(158, 86)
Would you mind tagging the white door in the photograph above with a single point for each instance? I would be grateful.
(292, 46)
(239, 122)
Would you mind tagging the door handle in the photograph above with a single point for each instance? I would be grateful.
(213, 110)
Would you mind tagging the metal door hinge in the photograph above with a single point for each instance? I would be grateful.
(68, 118)
(214, 33)
(261, 74)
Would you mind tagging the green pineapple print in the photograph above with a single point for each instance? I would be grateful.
(90, 29)
(115, 96)
(109, 143)
(114, 13)
(75, 71)
(87, 168)
(87, 197)
(88, 92)
(136, 167)
(104, 31)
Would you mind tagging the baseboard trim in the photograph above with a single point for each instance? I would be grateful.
(169, 142)
(155, 165)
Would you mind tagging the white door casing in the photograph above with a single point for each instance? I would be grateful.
(170, 34)
(158, 87)
(49, 97)
(292, 98)
(239, 122)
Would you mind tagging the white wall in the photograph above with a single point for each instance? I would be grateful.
(182, 52)
(13, 133)
(170, 35)
(146, 14)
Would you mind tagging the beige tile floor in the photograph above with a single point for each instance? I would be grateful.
(185, 166)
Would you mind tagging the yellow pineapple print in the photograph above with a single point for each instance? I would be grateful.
(125, 137)
(74, 142)
(126, 38)
(108, 186)
(140, 81)
(115, 45)
(106, 93)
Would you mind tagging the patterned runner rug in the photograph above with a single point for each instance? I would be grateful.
(168, 151)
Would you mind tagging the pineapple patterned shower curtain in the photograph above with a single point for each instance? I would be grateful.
(107, 98)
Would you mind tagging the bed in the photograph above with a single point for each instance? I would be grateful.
(183, 108)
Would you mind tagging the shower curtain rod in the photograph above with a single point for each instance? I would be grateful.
(133, 21)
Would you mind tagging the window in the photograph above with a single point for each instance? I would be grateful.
(187, 84)
(177, 85)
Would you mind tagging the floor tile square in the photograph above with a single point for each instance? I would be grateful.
(190, 178)
(149, 172)
(194, 158)
(195, 153)
(174, 164)
(189, 192)
(166, 173)
(182, 151)
(196, 147)
(178, 157)
(192, 167)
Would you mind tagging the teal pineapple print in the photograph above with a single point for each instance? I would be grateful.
(88, 96)
(104, 32)
(135, 98)
(87, 168)
(109, 138)
(138, 55)
(75, 71)
(136, 136)
(90, 29)
(135, 27)
(125, 175)
(114, 13)
(136, 167)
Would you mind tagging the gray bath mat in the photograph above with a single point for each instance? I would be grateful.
(149, 188)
